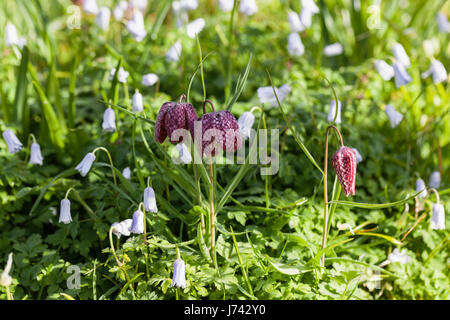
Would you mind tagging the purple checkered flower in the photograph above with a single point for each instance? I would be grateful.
(344, 163)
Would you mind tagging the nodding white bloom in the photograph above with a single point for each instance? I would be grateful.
(5, 278)
(109, 120)
(174, 53)
(248, 7)
(35, 154)
(358, 155)
(11, 37)
(334, 49)
(437, 71)
(150, 200)
(188, 4)
(119, 10)
(245, 123)
(137, 225)
(138, 104)
(103, 17)
(226, 5)
(385, 70)
(122, 228)
(266, 95)
(121, 77)
(181, 16)
(294, 22)
(332, 111)
(400, 54)
(420, 185)
(136, 26)
(195, 27)
(139, 4)
(309, 8)
(394, 116)
(310, 5)
(13, 144)
(435, 180)
(90, 6)
(85, 165)
(295, 45)
(179, 276)
(399, 256)
(184, 154)
(149, 79)
(401, 76)
(64, 212)
(443, 24)
(344, 226)
(438, 217)
(126, 173)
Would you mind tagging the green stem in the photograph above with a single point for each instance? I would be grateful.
(212, 214)
(240, 262)
(110, 161)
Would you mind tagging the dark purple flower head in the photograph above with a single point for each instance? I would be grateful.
(344, 163)
(221, 128)
(173, 116)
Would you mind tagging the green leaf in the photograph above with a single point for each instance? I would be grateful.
(287, 269)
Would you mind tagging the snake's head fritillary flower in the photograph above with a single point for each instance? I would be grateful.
(35, 154)
(85, 165)
(179, 274)
(248, 7)
(435, 180)
(149, 79)
(334, 49)
(90, 6)
(245, 123)
(195, 27)
(394, 116)
(126, 173)
(295, 45)
(220, 128)
(150, 200)
(401, 76)
(385, 70)
(173, 116)
(400, 55)
(5, 278)
(185, 156)
(438, 217)
(136, 26)
(137, 225)
(358, 155)
(138, 103)
(13, 144)
(103, 17)
(64, 213)
(121, 76)
(437, 71)
(344, 163)
(109, 120)
(420, 185)
(122, 228)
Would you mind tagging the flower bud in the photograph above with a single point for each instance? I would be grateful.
(64, 213)
(437, 71)
(344, 163)
(386, 71)
(399, 256)
(435, 180)
(13, 144)
(149, 79)
(195, 27)
(438, 217)
(122, 228)
(137, 225)
(245, 123)
(248, 7)
(109, 120)
(136, 26)
(394, 116)
(185, 156)
(294, 22)
(121, 76)
(401, 76)
(35, 154)
(85, 165)
(126, 173)
(150, 200)
(334, 49)
(420, 185)
(400, 55)
(332, 111)
(103, 17)
(295, 46)
(179, 276)
(138, 104)
(119, 10)
(174, 53)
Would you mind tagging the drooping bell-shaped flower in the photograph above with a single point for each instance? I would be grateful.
(12, 38)
(90, 6)
(438, 217)
(310, 5)
(13, 144)
(121, 76)
(35, 154)
(394, 116)
(344, 163)
(138, 103)
(226, 5)
(245, 123)
(334, 49)
(64, 212)
(220, 129)
(266, 95)
(399, 256)
(401, 76)
(139, 4)
(181, 15)
(431, 47)
(173, 116)
(137, 225)
(420, 185)
(309, 8)
(400, 55)
(174, 53)
(103, 17)
(195, 27)
(443, 24)
(188, 5)
(435, 180)
(136, 26)
(85, 165)
(248, 7)
(295, 45)
(437, 71)
(122, 228)
(385, 70)
(332, 111)
(179, 276)
(184, 156)
(150, 200)
(126, 173)
(359, 158)
(5, 278)
(109, 120)
(149, 79)
(294, 22)
(119, 10)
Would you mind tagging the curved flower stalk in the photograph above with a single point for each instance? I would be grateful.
(85, 165)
